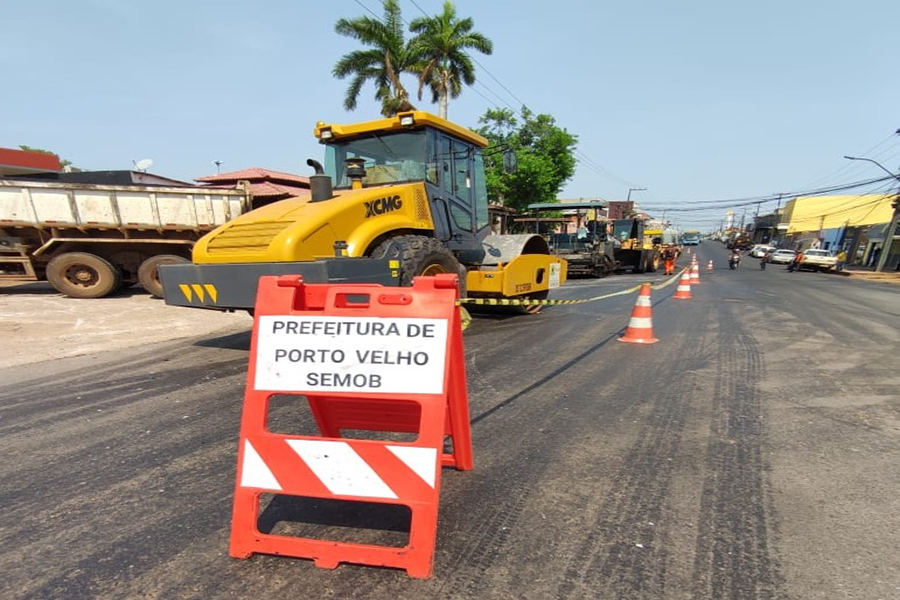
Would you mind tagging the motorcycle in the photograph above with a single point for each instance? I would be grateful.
(733, 261)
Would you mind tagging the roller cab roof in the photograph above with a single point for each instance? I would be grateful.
(415, 119)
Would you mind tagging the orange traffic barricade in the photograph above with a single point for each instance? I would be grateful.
(384, 361)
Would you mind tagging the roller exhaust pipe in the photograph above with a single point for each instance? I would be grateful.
(320, 185)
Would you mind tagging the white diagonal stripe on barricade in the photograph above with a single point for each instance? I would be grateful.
(341, 469)
(421, 460)
(254, 472)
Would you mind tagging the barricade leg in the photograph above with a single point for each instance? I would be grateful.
(400, 473)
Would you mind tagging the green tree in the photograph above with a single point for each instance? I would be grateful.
(440, 49)
(545, 153)
(388, 56)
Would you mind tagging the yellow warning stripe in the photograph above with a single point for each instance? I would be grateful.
(535, 302)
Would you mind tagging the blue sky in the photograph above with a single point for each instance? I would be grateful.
(694, 100)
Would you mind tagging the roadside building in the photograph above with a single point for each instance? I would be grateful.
(855, 224)
(266, 186)
(110, 177)
(620, 209)
(16, 163)
(765, 228)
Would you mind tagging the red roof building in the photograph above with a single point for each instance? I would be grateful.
(25, 162)
(265, 186)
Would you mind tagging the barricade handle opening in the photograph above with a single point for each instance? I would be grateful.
(348, 300)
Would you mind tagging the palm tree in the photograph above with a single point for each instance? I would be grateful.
(388, 57)
(440, 50)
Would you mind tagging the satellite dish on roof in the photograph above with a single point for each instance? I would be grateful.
(143, 164)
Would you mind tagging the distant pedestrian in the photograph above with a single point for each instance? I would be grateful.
(795, 263)
(841, 259)
(763, 260)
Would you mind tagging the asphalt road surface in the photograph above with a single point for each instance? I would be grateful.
(753, 452)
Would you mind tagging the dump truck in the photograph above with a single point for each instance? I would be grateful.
(90, 240)
(635, 249)
(588, 250)
(396, 198)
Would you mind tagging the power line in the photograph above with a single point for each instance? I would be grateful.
(366, 8)
(847, 168)
(581, 157)
(416, 4)
(742, 202)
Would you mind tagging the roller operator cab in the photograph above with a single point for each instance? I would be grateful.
(396, 198)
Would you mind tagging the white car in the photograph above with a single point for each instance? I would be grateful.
(782, 257)
(759, 250)
(818, 260)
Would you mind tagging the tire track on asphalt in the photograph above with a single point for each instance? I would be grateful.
(626, 552)
(733, 559)
(512, 483)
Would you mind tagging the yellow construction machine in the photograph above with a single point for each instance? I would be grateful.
(636, 250)
(396, 198)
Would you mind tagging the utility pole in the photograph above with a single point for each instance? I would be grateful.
(756, 222)
(888, 242)
(633, 190)
(776, 233)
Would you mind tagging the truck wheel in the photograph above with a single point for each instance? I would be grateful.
(420, 255)
(148, 273)
(654, 264)
(82, 275)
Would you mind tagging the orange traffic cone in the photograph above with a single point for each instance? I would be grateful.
(683, 292)
(640, 327)
(710, 266)
(695, 274)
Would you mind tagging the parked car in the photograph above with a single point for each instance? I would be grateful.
(815, 259)
(782, 257)
(759, 250)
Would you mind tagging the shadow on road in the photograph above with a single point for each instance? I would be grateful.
(232, 341)
(44, 288)
(337, 520)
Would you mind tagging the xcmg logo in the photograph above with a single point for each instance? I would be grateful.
(382, 205)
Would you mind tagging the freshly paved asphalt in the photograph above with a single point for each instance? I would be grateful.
(753, 452)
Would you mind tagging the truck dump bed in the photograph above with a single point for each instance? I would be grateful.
(64, 205)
